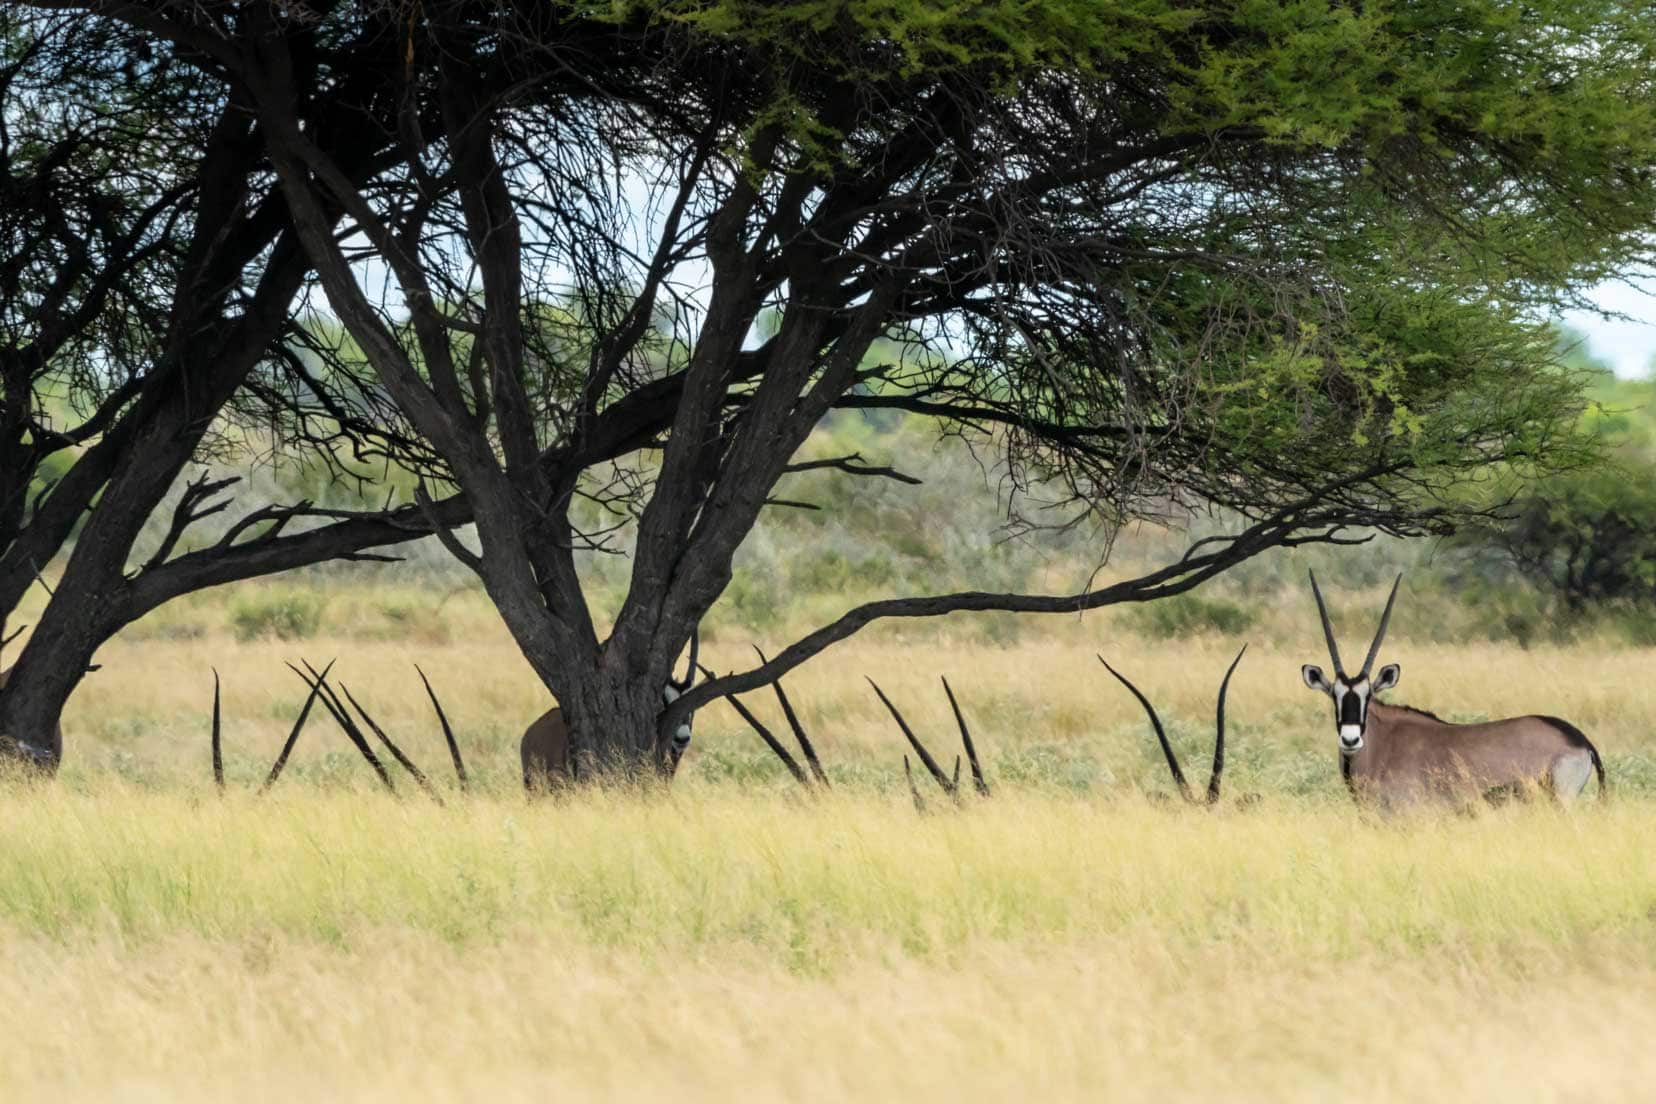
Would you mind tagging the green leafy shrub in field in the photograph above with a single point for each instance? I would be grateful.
(287, 613)
(1190, 614)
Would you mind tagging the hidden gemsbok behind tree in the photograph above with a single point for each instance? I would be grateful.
(1396, 755)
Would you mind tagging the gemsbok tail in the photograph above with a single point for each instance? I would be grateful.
(1579, 739)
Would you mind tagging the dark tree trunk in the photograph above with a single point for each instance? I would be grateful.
(614, 720)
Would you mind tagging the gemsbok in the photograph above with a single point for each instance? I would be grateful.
(545, 746)
(1395, 755)
(1216, 774)
(44, 756)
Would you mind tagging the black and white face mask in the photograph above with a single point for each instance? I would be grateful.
(1351, 694)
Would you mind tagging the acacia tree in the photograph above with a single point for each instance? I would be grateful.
(148, 283)
(151, 290)
(1276, 259)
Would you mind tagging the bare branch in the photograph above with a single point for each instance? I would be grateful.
(192, 507)
(852, 465)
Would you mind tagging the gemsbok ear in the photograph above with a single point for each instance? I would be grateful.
(1313, 676)
(1387, 678)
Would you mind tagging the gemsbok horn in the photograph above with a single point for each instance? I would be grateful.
(1217, 772)
(320, 690)
(949, 785)
(1397, 755)
(817, 776)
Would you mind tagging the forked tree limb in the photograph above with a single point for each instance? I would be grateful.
(293, 736)
(448, 733)
(1317, 517)
(852, 465)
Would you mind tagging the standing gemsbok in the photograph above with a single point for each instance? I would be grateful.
(545, 747)
(1397, 755)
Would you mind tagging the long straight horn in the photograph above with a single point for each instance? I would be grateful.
(218, 748)
(770, 740)
(448, 733)
(695, 649)
(1219, 733)
(805, 745)
(1328, 629)
(1161, 733)
(978, 780)
(1385, 619)
(914, 791)
(293, 736)
(418, 775)
(343, 719)
(914, 741)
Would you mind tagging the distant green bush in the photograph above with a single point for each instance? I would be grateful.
(1190, 614)
(287, 613)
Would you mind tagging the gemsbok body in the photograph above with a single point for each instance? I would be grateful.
(41, 756)
(545, 749)
(1397, 756)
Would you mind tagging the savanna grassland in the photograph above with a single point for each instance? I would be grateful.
(1069, 938)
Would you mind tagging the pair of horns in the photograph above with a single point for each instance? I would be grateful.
(1328, 628)
(317, 681)
(950, 786)
(1218, 770)
(817, 776)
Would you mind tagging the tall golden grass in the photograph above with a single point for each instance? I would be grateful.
(1066, 939)
(712, 944)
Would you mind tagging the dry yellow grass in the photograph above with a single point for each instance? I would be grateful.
(1066, 940)
(160, 946)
